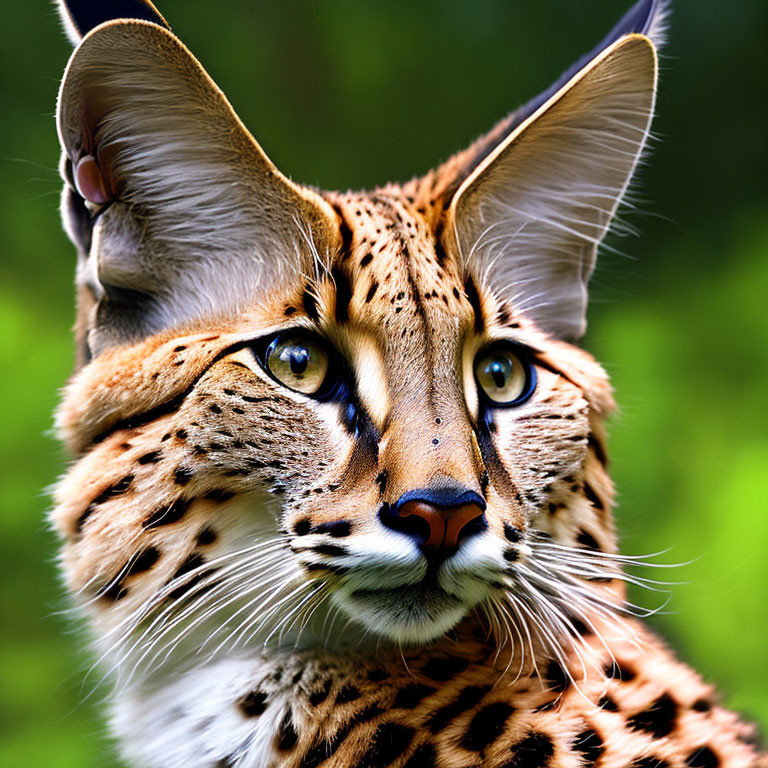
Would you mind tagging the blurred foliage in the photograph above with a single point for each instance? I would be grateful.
(348, 94)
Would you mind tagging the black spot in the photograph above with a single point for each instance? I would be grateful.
(289, 311)
(219, 495)
(310, 306)
(337, 530)
(332, 550)
(322, 750)
(109, 493)
(659, 719)
(515, 535)
(143, 561)
(167, 515)
(589, 492)
(116, 591)
(649, 762)
(371, 292)
(423, 757)
(701, 705)
(607, 704)
(378, 675)
(286, 734)
(347, 693)
(469, 698)
(180, 348)
(556, 677)
(320, 695)
(206, 537)
(485, 481)
(181, 434)
(470, 289)
(578, 627)
(440, 253)
(511, 555)
(534, 751)
(381, 480)
(343, 295)
(598, 450)
(442, 669)
(253, 704)
(486, 726)
(193, 561)
(150, 458)
(703, 757)
(213, 408)
(590, 745)
(366, 260)
(182, 475)
(410, 696)
(302, 527)
(616, 672)
(587, 540)
(390, 740)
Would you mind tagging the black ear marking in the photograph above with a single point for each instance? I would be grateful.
(87, 14)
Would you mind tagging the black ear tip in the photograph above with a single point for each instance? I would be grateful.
(87, 14)
(640, 18)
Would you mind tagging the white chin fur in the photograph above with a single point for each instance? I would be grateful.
(413, 622)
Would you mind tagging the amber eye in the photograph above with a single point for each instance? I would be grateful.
(299, 362)
(505, 375)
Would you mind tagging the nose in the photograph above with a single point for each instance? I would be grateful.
(438, 520)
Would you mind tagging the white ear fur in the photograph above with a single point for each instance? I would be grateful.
(201, 216)
(529, 219)
(67, 23)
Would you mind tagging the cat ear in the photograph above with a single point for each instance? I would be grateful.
(538, 194)
(192, 217)
(81, 16)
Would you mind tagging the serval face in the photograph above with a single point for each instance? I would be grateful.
(294, 404)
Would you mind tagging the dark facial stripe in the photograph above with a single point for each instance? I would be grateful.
(470, 289)
(310, 306)
(343, 295)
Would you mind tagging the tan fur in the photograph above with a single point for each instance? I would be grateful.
(199, 483)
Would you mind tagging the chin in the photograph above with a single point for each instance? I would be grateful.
(414, 614)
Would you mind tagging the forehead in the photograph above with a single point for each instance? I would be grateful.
(392, 272)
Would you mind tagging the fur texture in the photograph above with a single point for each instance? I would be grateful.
(234, 540)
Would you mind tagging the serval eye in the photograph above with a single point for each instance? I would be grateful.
(505, 375)
(299, 362)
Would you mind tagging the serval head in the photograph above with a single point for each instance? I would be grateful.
(291, 402)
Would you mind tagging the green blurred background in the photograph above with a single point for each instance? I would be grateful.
(349, 94)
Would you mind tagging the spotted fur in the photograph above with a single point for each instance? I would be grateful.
(226, 536)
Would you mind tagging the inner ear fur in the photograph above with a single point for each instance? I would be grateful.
(529, 218)
(198, 219)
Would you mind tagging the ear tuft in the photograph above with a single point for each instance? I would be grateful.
(81, 16)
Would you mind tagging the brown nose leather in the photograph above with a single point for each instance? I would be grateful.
(445, 523)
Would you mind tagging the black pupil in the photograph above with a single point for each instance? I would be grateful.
(298, 359)
(500, 370)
